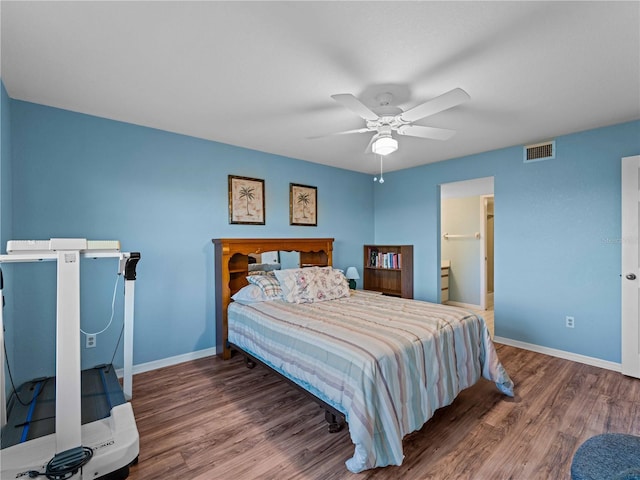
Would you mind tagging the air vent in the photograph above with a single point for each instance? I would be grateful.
(540, 151)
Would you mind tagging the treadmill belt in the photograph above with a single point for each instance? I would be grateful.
(101, 391)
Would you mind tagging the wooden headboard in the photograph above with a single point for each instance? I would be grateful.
(232, 268)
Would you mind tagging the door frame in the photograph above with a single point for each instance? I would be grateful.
(483, 248)
(483, 252)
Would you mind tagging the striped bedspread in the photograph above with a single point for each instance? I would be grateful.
(386, 363)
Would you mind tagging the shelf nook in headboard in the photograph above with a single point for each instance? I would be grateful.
(232, 268)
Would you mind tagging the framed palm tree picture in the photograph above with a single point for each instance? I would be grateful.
(303, 207)
(246, 200)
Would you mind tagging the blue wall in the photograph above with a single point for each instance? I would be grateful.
(5, 165)
(557, 228)
(557, 232)
(165, 195)
(5, 205)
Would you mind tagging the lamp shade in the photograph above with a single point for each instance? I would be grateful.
(384, 145)
(352, 273)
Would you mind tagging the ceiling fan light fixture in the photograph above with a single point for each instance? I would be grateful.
(384, 145)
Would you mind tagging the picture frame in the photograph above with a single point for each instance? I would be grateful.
(303, 205)
(246, 201)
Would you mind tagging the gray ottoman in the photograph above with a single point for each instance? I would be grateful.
(610, 456)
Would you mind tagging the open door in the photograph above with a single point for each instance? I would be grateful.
(630, 266)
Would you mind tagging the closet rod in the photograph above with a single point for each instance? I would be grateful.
(447, 236)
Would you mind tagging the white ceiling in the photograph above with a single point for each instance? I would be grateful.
(260, 74)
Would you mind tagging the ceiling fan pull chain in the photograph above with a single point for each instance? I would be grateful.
(381, 180)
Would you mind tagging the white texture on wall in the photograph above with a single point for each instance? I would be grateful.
(467, 188)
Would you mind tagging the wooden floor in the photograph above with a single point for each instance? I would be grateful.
(210, 419)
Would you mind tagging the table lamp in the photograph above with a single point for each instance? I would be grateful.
(352, 276)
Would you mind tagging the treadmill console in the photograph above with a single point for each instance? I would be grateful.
(15, 247)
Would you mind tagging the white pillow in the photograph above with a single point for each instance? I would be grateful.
(250, 294)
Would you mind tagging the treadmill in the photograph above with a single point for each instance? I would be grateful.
(78, 424)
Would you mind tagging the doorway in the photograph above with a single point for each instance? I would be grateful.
(467, 243)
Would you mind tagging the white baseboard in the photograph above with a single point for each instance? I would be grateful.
(168, 362)
(574, 357)
(463, 305)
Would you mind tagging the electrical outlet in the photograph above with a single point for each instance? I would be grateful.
(569, 322)
(90, 341)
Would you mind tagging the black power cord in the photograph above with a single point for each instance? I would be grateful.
(65, 465)
(13, 386)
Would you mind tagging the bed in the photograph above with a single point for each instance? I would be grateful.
(386, 364)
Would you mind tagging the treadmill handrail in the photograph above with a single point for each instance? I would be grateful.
(53, 256)
(130, 259)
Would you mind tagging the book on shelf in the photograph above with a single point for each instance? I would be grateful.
(388, 260)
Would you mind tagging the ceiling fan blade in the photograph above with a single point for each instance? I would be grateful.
(435, 105)
(346, 132)
(356, 106)
(373, 139)
(426, 132)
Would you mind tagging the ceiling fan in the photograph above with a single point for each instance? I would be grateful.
(393, 119)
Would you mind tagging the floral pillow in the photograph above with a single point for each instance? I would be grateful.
(327, 284)
(314, 284)
(287, 280)
(269, 285)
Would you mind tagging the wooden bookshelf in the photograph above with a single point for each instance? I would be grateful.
(389, 269)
